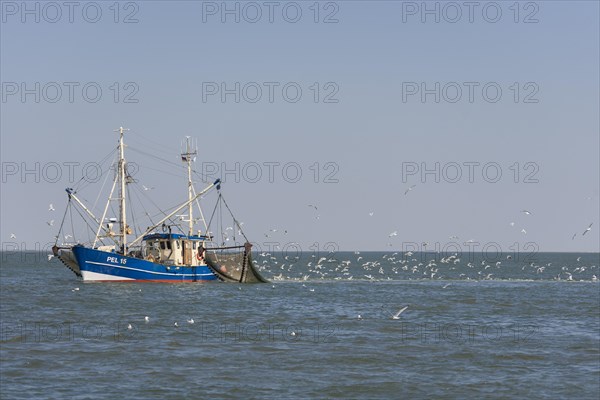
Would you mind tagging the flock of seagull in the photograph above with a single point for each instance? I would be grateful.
(396, 266)
(330, 268)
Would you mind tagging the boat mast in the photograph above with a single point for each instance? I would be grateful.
(122, 181)
(188, 158)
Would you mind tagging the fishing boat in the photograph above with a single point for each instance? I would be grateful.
(170, 248)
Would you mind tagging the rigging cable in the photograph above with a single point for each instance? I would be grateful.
(212, 215)
(63, 220)
(234, 219)
(72, 228)
(101, 189)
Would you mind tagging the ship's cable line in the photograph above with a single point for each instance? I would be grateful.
(234, 219)
(212, 216)
(63, 221)
(136, 191)
(203, 177)
(72, 227)
(159, 146)
(162, 171)
(223, 233)
(101, 189)
(155, 157)
(80, 186)
(218, 206)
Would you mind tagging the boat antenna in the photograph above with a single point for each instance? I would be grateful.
(122, 191)
(188, 156)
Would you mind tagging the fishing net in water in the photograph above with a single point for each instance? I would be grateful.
(233, 264)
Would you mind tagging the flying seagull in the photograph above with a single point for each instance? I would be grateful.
(315, 207)
(409, 189)
(50, 207)
(395, 233)
(589, 228)
(397, 315)
(13, 236)
(526, 212)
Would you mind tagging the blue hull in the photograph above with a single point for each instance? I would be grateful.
(100, 266)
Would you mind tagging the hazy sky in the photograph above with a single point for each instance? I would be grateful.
(484, 109)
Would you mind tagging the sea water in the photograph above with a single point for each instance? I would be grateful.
(323, 328)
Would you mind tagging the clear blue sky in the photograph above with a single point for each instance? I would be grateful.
(369, 128)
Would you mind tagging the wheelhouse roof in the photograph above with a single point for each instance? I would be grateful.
(168, 236)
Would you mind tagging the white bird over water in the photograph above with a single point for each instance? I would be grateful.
(524, 231)
(129, 327)
(175, 324)
(190, 321)
(147, 318)
(397, 315)
(395, 233)
(50, 207)
(50, 223)
(589, 228)
(371, 214)
(526, 212)
(50, 257)
(13, 236)
(409, 189)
